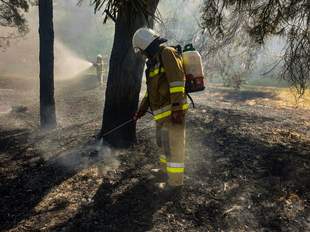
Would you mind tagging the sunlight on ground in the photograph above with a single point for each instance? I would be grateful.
(289, 98)
(283, 97)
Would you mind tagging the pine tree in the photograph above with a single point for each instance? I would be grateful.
(126, 68)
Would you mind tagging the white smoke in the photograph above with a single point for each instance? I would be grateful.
(79, 37)
(73, 157)
(180, 20)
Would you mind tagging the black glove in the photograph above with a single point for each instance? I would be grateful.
(138, 115)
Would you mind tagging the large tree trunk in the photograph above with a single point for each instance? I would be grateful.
(125, 75)
(46, 31)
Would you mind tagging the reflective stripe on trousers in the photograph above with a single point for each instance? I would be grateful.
(175, 167)
(171, 139)
(162, 113)
(177, 87)
(166, 111)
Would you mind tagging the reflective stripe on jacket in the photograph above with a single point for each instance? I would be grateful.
(165, 80)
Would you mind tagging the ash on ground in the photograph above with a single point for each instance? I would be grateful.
(248, 167)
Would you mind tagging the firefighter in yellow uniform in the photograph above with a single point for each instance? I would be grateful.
(166, 97)
(99, 68)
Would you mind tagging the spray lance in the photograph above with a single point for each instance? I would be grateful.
(134, 119)
(118, 127)
(99, 145)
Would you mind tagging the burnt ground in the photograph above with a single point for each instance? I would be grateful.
(248, 165)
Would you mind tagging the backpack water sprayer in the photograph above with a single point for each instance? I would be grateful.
(193, 69)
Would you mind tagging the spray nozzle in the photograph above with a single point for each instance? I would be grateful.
(189, 47)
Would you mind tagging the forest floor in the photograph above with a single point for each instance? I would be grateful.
(247, 166)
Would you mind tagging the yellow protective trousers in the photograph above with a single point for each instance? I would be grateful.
(171, 141)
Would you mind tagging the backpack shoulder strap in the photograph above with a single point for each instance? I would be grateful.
(161, 64)
(178, 48)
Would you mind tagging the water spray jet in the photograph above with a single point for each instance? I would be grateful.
(67, 64)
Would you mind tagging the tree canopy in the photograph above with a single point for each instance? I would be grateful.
(12, 16)
(111, 7)
(223, 19)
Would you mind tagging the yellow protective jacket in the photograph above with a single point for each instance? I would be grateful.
(165, 80)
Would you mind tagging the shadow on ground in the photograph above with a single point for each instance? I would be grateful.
(129, 210)
(259, 178)
(243, 95)
(25, 177)
(245, 173)
(26, 183)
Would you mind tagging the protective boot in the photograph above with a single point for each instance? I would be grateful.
(171, 193)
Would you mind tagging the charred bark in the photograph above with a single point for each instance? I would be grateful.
(46, 31)
(125, 75)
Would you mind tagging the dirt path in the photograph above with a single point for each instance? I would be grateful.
(248, 169)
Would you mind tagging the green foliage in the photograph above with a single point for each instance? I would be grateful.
(111, 7)
(222, 19)
(11, 13)
(12, 16)
(233, 62)
(268, 81)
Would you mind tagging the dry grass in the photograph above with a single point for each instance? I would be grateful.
(283, 97)
(290, 97)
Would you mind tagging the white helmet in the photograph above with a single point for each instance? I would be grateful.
(142, 38)
(99, 56)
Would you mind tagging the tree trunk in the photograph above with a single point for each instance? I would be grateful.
(124, 79)
(46, 31)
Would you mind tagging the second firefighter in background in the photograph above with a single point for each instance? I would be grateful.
(99, 68)
(166, 97)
